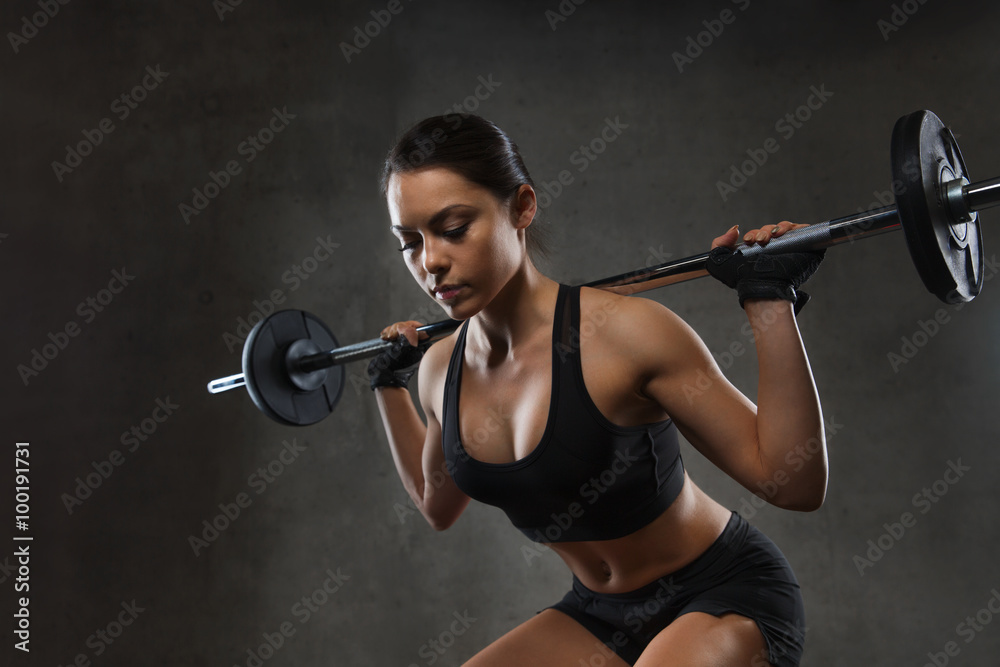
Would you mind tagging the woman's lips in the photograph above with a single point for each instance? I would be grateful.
(448, 292)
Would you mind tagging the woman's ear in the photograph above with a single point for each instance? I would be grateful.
(524, 206)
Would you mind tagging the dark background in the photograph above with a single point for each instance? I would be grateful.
(651, 195)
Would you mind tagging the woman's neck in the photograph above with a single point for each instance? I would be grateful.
(515, 315)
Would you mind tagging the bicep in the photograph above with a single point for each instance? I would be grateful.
(681, 375)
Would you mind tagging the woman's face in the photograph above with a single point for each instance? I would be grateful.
(456, 235)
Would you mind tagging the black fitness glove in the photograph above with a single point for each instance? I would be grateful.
(395, 366)
(765, 276)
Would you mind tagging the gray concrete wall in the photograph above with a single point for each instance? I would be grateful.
(336, 505)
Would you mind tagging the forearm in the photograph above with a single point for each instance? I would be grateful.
(406, 432)
(789, 416)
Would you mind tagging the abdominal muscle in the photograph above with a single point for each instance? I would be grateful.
(683, 532)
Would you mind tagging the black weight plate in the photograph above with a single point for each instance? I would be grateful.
(266, 372)
(947, 252)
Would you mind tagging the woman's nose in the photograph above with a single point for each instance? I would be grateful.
(435, 256)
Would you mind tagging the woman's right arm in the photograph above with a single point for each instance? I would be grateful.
(416, 447)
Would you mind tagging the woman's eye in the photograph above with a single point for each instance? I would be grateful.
(458, 232)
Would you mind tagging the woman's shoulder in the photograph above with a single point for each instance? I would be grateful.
(438, 355)
(646, 329)
(623, 313)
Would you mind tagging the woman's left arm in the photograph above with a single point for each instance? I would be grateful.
(790, 429)
(776, 449)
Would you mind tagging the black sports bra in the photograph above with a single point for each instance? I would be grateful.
(587, 479)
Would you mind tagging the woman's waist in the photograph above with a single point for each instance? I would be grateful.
(682, 533)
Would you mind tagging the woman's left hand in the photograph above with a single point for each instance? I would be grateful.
(761, 235)
(778, 277)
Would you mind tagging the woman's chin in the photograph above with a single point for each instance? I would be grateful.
(461, 308)
(457, 312)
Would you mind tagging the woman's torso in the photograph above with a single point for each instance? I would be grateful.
(504, 411)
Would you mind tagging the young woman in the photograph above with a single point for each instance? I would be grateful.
(563, 406)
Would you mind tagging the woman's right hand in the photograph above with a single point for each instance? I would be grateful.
(395, 366)
(407, 328)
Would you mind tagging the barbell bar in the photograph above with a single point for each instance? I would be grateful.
(292, 362)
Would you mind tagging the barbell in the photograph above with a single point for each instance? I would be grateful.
(293, 366)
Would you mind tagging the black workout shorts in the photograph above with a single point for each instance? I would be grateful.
(742, 572)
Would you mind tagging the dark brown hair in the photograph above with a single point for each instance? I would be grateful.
(473, 147)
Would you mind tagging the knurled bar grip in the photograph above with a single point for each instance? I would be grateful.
(807, 238)
(370, 348)
(348, 353)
